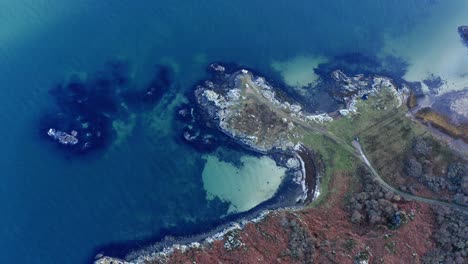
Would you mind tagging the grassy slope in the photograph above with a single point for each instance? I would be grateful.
(383, 130)
(334, 157)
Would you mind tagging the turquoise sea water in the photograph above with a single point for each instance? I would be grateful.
(57, 208)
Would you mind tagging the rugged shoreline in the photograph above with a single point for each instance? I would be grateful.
(158, 252)
(310, 168)
(301, 183)
(244, 107)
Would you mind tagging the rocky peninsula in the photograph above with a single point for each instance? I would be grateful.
(247, 109)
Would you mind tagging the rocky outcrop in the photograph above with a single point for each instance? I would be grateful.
(246, 107)
(63, 137)
(361, 87)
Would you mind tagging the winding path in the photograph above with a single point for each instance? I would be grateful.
(407, 196)
(360, 155)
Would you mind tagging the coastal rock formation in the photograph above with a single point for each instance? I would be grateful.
(63, 137)
(359, 87)
(313, 235)
(359, 221)
(248, 108)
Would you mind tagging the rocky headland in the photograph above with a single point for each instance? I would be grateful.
(349, 216)
(249, 110)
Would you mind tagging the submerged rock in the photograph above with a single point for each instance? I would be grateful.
(434, 83)
(463, 31)
(88, 107)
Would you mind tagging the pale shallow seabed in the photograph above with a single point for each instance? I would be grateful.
(245, 186)
(434, 47)
(57, 208)
(299, 71)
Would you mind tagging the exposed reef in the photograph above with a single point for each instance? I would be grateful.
(86, 108)
(197, 131)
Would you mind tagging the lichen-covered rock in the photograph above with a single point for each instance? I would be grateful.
(232, 241)
(360, 87)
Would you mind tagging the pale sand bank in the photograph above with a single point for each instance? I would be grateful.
(244, 187)
(298, 71)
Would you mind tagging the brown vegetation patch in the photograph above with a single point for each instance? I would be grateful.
(443, 123)
(322, 235)
(257, 119)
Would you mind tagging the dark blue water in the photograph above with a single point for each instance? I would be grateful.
(57, 208)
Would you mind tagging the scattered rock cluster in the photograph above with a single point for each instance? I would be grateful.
(362, 258)
(451, 237)
(87, 107)
(360, 87)
(232, 241)
(374, 205)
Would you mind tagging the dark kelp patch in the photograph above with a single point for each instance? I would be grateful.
(463, 31)
(85, 109)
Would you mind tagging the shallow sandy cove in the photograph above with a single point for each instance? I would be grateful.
(246, 186)
(299, 71)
